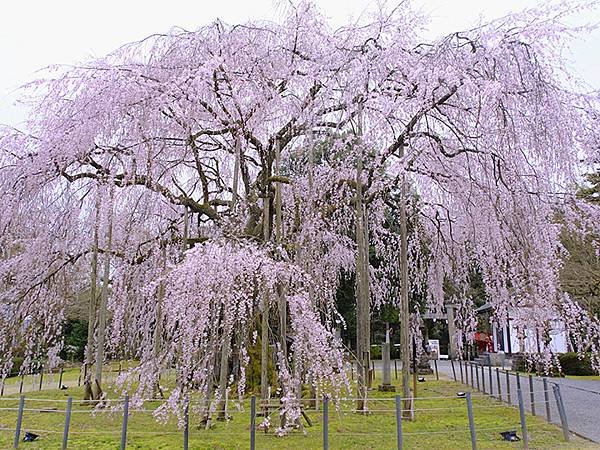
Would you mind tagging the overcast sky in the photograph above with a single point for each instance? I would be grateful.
(36, 33)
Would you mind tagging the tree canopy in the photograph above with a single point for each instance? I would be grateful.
(222, 167)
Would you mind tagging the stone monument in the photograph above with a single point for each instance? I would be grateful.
(387, 385)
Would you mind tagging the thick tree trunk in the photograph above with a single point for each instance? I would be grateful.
(226, 339)
(311, 198)
(404, 307)
(278, 236)
(157, 391)
(281, 299)
(264, 328)
(93, 306)
(224, 369)
(362, 310)
(264, 351)
(363, 326)
(236, 173)
(186, 228)
(210, 370)
(103, 309)
(452, 345)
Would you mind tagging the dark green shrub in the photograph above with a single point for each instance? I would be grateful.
(572, 364)
(376, 352)
(520, 363)
(17, 362)
(75, 339)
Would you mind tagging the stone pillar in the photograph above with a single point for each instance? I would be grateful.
(385, 356)
(452, 347)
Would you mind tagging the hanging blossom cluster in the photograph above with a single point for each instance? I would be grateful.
(215, 296)
(201, 180)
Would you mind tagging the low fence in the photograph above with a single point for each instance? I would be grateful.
(506, 386)
(51, 379)
(34, 382)
(395, 364)
(442, 420)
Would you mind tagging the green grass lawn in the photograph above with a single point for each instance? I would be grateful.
(441, 423)
(70, 377)
(584, 377)
(570, 377)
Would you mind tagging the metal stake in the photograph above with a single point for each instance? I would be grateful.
(531, 395)
(186, 425)
(399, 422)
(523, 422)
(19, 421)
(67, 422)
(253, 423)
(561, 412)
(547, 399)
(471, 422)
(326, 423)
(499, 385)
(125, 419)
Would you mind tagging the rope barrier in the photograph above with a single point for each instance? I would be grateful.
(35, 410)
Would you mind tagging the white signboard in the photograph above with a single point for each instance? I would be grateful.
(434, 348)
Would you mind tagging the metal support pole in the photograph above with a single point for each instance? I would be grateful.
(41, 379)
(437, 375)
(499, 385)
(326, 423)
(471, 422)
(399, 422)
(561, 412)
(186, 425)
(253, 423)
(547, 399)
(125, 419)
(523, 422)
(467, 377)
(317, 406)
(60, 378)
(453, 370)
(477, 376)
(396, 368)
(19, 421)
(491, 381)
(67, 423)
(472, 377)
(531, 395)
(483, 378)
(508, 387)
(462, 380)
(21, 385)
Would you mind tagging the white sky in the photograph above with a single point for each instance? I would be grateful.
(36, 33)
